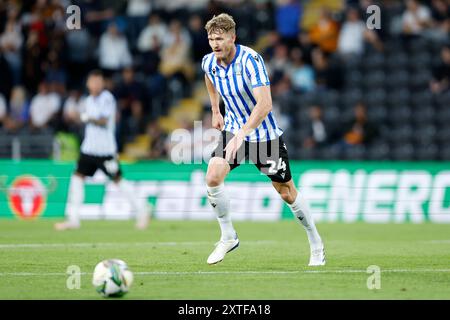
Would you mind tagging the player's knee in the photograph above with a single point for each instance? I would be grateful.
(216, 172)
(213, 178)
(287, 196)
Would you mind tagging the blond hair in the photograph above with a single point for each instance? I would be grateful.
(221, 23)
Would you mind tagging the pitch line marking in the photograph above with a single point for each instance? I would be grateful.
(155, 243)
(177, 273)
(118, 244)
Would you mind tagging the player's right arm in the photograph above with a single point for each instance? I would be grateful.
(217, 118)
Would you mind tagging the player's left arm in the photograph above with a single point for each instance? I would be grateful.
(108, 112)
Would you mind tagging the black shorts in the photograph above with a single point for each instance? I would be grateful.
(270, 157)
(88, 165)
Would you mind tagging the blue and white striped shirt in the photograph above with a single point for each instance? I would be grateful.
(235, 84)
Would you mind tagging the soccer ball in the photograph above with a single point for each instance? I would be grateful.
(112, 278)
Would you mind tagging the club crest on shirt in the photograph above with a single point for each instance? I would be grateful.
(213, 71)
(238, 69)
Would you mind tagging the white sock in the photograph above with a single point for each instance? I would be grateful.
(301, 211)
(75, 199)
(220, 202)
(128, 190)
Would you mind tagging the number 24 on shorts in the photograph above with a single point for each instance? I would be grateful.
(274, 167)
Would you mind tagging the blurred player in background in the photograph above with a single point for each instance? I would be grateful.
(249, 130)
(99, 151)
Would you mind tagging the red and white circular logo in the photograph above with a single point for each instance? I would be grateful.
(27, 197)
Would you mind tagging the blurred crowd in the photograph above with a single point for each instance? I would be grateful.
(150, 51)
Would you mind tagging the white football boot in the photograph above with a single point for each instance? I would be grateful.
(66, 225)
(317, 257)
(143, 218)
(222, 248)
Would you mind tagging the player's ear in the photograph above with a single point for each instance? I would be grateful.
(233, 37)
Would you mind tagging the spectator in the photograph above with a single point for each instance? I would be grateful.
(416, 18)
(79, 55)
(11, 41)
(158, 139)
(175, 56)
(44, 107)
(319, 132)
(95, 15)
(441, 73)
(3, 110)
(328, 74)
(150, 42)
(113, 51)
(19, 107)
(359, 130)
(176, 34)
(128, 90)
(325, 32)
(56, 75)
(199, 37)
(6, 81)
(351, 37)
(33, 61)
(305, 44)
(301, 74)
(152, 36)
(135, 124)
(288, 14)
(440, 12)
(137, 14)
(279, 65)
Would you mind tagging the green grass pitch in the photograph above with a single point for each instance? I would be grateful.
(169, 260)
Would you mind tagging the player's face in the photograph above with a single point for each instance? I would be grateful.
(95, 84)
(222, 44)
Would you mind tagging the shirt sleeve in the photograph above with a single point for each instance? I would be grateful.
(204, 64)
(256, 71)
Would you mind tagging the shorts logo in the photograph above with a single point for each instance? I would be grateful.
(27, 196)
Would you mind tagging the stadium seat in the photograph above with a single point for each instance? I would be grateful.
(421, 98)
(398, 97)
(424, 135)
(373, 61)
(396, 60)
(375, 97)
(426, 152)
(420, 80)
(374, 79)
(331, 114)
(399, 114)
(402, 152)
(6, 145)
(378, 151)
(36, 145)
(398, 78)
(377, 113)
(354, 153)
(424, 114)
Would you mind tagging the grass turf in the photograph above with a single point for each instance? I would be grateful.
(169, 260)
